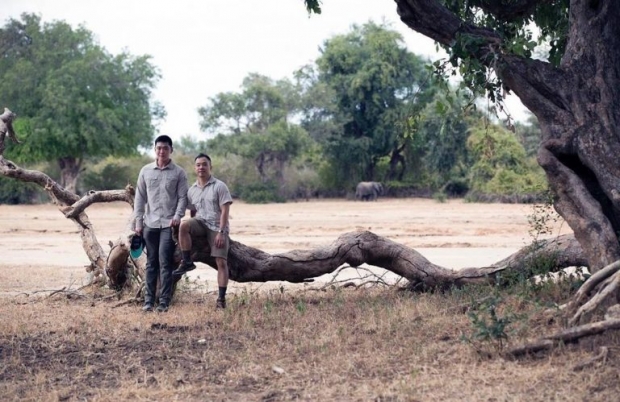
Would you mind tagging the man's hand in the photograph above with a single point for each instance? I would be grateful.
(220, 240)
(175, 222)
(138, 231)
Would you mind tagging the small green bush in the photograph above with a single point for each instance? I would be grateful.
(14, 192)
(261, 193)
(112, 173)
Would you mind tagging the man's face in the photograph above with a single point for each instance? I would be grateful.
(163, 151)
(202, 167)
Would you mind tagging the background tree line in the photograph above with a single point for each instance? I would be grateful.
(366, 109)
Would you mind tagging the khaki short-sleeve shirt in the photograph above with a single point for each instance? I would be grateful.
(207, 201)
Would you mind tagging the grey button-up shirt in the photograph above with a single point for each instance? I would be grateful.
(161, 195)
(207, 201)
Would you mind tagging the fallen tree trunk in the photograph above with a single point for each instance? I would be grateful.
(248, 264)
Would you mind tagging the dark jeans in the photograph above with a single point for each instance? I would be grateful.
(159, 264)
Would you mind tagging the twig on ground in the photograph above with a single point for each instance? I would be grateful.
(126, 302)
(586, 363)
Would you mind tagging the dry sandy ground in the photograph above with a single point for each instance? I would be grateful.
(41, 250)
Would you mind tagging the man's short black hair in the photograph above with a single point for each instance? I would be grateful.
(201, 155)
(163, 138)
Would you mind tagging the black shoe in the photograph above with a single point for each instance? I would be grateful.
(147, 307)
(184, 268)
(221, 303)
(162, 308)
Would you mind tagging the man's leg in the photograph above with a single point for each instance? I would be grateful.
(151, 238)
(222, 281)
(185, 243)
(166, 261)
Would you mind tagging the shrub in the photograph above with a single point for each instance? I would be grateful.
(112, 173)
(261, 193)
(17, 192)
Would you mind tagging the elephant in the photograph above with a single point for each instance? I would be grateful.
(368, 190)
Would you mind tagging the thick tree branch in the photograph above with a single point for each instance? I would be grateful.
(432, 19)
(591, 284)
(93, 197)
(57, 193)
(536, 83)
(6, 128)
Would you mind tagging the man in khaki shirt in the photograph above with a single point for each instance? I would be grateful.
(209, 201)
(161, 199)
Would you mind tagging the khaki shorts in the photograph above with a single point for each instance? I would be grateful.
(199, 228)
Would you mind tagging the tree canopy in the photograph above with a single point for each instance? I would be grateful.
(376, 83)
(75, 100)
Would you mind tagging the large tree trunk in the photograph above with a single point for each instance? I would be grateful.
(577, 106)
(70, 168)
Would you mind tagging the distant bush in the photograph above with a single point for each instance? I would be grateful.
(405, 189)
(14, 192)
(261, 193)
(456, 187)
(300, 183)
(112, 173)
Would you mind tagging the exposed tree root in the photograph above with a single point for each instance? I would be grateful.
(569, 335)
(602, 356)
(605, 282)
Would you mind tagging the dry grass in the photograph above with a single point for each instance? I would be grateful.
(342, 344)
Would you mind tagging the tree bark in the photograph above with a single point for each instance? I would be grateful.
(70, 168)
(577, 106)
(248, 264)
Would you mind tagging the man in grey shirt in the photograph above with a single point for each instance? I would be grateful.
(161, 199)
(209, 201)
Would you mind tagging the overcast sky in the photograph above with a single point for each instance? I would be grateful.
(209, 46)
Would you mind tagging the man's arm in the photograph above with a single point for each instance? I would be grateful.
(224, 215)
(220, 238)
(140, 203)
(182, 188)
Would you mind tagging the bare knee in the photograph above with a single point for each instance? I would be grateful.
(221, 263)
(184, 227)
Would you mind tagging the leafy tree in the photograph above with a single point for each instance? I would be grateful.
(317, 104)
(261, 103)
(500, 165)
(74, 99)
(189, 146)
(375, 83)
(441, 136)
(257, 124)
